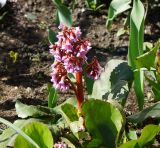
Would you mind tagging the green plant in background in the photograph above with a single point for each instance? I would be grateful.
(150, 61)
(63, 14)
(14, 56)
(94, 4)
(2, 4)
(97, 121)
(2, 16)
(136, 37)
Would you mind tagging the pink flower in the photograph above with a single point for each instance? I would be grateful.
(70, 49)
(94, 69)
(59, 77)
(73, 64)
(60, 145)
(70, 55)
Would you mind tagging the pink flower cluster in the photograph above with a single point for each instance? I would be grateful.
(59, 77)
(70, 49)
(94, 69)
(70, 55)
(60, 145)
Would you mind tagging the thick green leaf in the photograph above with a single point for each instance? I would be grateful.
(52, 96)
(116, 7)
(139, 87)
(156, 93)
(132, 134)
(102, 86)
(25, 111)
(148, 135)
(19, 131)
(39, 132)
(72, 140)
(70, 111)
(69, 143)
(76, 128)
(150, 112)
(147, 60)
(136, 48)
(52, 36)
(94, 143)
(121, 79)
(71, 101)
(57, 2)
(103, 121)
(8, 136)
(121, 31)
(64, 15)
(136, 32)
(89, 84)
(155, 88)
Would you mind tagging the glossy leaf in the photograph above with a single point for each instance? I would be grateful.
(121, 79)
(19, 131)
(147, 60)
(150, 112)
(132, 134)
(103, 84)
(52, 96)
(114, 82)
(89, 84)
(71, 101)
(94, 143)
(25, 111)
(70, 111)
(116, 7)
(64, 15)
(39, 132)
(57, 2)
(52, 36)
(148, 135)
(8, 135)
(69, 143)
(155, 88)
(71, 140)
(76, 127)
(136, 48)
(103, 121)
(156, 93)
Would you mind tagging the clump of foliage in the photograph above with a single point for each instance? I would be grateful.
(98, 118)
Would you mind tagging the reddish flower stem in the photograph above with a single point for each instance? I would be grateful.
(80, 93)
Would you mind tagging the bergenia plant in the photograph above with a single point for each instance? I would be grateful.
(70, 56)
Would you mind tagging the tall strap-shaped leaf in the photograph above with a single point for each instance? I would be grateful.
(136, 47)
